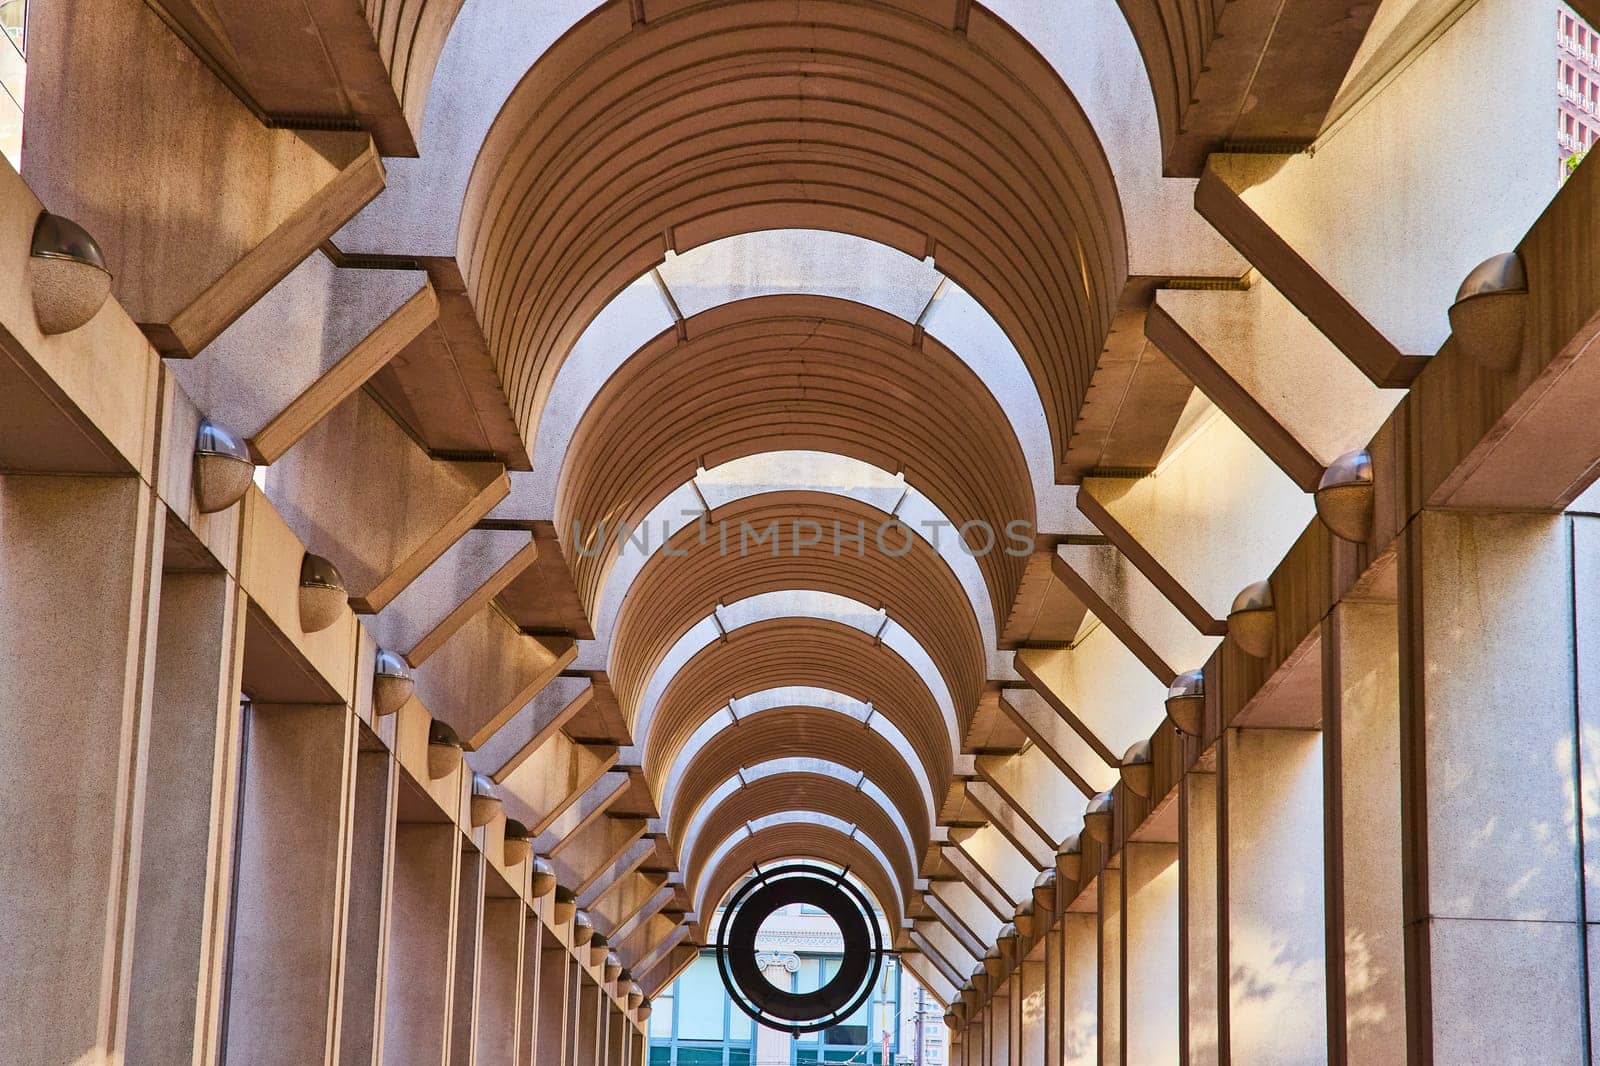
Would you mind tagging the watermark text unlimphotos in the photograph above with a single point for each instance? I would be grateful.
(778, 537)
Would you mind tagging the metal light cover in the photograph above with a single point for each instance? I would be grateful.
(1345, 495)
(613, 968)
(67, 275)
(1044, 891)
(1136, 769)
(564, 908)
(322, 593)
(515, 846)
(392, 683)
(635, 997)
(599, 948)
(994, 961)
(979, 980)
(1097, 817)
(444, 750)
(485, 804)
(642, 1011)
(1253, 619)
(625, 986)
(1023, 918)
(1069, 858)
(582, 928)
(1186, 702)
(543, 879)
(1489, 316)
(222, 468)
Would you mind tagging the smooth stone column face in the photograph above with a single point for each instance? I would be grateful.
(469, 934)
(555, 1010)
(1198, 925)
(1054, 990)
(528, 987)
(289, 896)
(77, 592)
(416, 1013)
(499, 981)
(586, 1019)
(371, 859)
(1277, 1002)
(1111, 1004)
(997, 1029)
(1494, 952)
(1150, 952)
(1361, 747)
(1080, 989)
(1031, 1012)
(186, 854)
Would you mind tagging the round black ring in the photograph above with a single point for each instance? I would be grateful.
(844, 993)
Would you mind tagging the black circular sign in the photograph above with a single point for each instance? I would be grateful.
(838, 998)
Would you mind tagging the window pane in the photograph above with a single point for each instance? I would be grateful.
(700, 1001)
(661, 1017)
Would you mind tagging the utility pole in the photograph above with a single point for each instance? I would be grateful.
(917, 1053)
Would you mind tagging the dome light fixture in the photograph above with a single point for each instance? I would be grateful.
(67, 275)
(322, 593)
(1345, 496)
(1136, 769)
(485, 803)
(1069, 858)
(392, 683)
(1044, 891)
(543, 878)
(515, 847)
(564, 908)
(1253, 618)
(1097, 817)
(1490, 314)
(1186, 702)
(222, 468)
(599, 948)
(582, 928)
(444, 751)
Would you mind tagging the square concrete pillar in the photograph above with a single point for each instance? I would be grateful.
(1150, 953)
(82, 556)
(1054, 988)
(1361, 756)
(371, 860)
(533, 938)
(186, 855)
(1111, 1006)
(469, 936)
(586, 1019)
(290, 889)
(500, 975)
(997, 1028)
(1271, 894)
(555, 1002)
(1489, 742)
(422, 916)
(1080, 988)
(1031, 1014)
(1200, 932)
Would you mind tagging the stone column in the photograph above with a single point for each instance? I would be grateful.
(1111, 1017)
(1490, 741)
(1080, 988)
(417, 984)
(289, 900)
(371, 862)
(533, 938)
(772, 1045)
(555, 1011)
(1201, 934)
(499, 978)
(1032, 1017)
(186, 852)
(469, 936)
(1271, 894)
(1361, 757)
(1150, 953)
(1054, 995)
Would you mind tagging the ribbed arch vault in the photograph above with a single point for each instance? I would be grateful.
(869, 118)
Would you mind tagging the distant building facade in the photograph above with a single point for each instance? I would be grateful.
(1577, 85)
(694, 1023)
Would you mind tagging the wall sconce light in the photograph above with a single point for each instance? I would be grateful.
(485, 803)
(1069, 858)
(1136, 769)
(1491, 310)
(1022, 918)
(582, 928)
(515, 846)
(1097, 817)
(67, 275)
(564, 908)
(1344, 496)
(1252, 619)
(322, 593)
(444, 751)
(613, 968)
(599, 948)
(978, 981)
(994, 963)
(544, 877)
(1186, 702)
(222, 468)
(625, 985)
(392, 683)
(642, 1011)
(1044, 891)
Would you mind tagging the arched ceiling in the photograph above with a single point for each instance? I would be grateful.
(712, 119)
